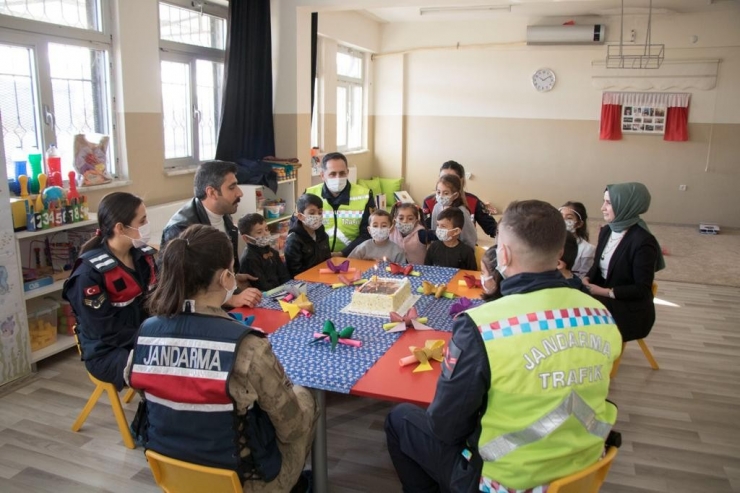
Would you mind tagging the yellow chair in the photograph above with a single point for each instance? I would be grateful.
(588, 480)
(479, 252)
(115, 403)
(645, 349)
(176, 476)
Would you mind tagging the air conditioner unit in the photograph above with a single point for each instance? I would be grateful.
(566, 35)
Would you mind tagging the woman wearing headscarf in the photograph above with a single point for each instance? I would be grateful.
(627, 257)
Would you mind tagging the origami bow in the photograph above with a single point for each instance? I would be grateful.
(438, 290)
(353, 281)
(411, 319)
(470, 281)
(433, 349)
(406, 270)
(295, 291)
(300, 305)
(460, 306)
(337, 269)
(344, 336)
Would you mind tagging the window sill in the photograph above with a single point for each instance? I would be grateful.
(112, 184)
(185, 170)
(356, 152)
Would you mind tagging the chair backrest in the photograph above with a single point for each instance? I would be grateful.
(176, 476)
(479, 252)
(655, 289)
(588, 480)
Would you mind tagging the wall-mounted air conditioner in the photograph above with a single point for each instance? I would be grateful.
(566, 35)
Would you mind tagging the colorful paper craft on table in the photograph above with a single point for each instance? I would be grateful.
(332, 268)
(400, 323)
(351, 281)
(344, 336)
(287, 292)
(406, 270)
(470, 281)
(433, 349)
(460, 306)
(438, 290)
(239, 317)
(300, 305)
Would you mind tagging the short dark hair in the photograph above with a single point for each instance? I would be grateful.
(580, 210)
(537, 224)
(331, 156)
(114, 208)
(187, 266)
(458, 168)
(381, 213)
(455, 215)
(211, 174)
(249, 221)
(570, 251)
(308, 199)
(405, 205)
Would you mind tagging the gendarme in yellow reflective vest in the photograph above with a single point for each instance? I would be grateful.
(550, 353)
(348, 216)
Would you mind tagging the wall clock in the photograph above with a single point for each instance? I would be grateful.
(543, 80)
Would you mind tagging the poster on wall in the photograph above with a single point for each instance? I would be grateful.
(644, 119)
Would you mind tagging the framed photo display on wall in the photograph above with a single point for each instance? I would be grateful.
(644, 119)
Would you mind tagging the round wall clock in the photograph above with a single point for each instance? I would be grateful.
(543, 80)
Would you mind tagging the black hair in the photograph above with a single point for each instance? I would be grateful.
(308, 199)
(490, 261)
(537, 224)
(458, 168)
(331, 156)
(405, 205)
(187, 266)
(211, 174)
(114, 208)
(455, 215)
(249, 221)
(381, 213)
(580, 210)
(455, 184)
(570, 251)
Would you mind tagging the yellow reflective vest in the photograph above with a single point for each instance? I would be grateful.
(550, 354)
(348, 217)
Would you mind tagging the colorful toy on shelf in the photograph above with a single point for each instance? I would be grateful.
(34, 160)
(54, 166)
(73, 193)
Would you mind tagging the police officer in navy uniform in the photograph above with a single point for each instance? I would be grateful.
(108, 286)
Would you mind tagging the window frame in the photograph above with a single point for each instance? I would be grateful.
(173, 51)
(34, 35)
(349, 83)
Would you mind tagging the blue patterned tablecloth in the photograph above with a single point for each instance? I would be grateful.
(315, 292)
(316, 366)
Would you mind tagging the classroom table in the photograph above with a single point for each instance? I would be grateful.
(417, 388)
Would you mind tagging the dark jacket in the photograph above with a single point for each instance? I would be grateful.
(303, 252)
(343, 199)
(194, 213)
(265, 264)
(481, 214)
(630, 274)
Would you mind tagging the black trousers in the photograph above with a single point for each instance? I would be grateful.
(109, 367)
(423, 462)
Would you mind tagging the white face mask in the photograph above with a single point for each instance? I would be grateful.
(312, 221)
(405, 228)
(379, 234)
(483, 281)
(336, 185)
(230, 292)
(501, 268)
(261, 241)
(145, 234)
(444, 200)
(570, 225)
(444, 234)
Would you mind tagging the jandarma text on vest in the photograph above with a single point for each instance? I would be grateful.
(183, 357)
(564, 341)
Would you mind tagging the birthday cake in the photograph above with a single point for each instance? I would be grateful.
(381, 296)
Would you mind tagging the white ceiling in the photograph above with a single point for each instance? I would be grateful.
(543, 8)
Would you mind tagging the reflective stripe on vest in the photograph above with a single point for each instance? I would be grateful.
(546, 320)
(348, 216)
(572, 405)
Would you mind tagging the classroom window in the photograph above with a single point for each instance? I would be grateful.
(192, 69)
(53, 88)
(350, 99)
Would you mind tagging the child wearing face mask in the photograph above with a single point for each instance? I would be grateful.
(490, 278)
(259, 259)
(307, 243)
(451, 195)
(380, 246)
(449, 251)
(566, 262)
(575, 217)
(408, 232)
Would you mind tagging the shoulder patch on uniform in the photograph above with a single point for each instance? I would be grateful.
(92, 290)
(452, 355)
(102, 262)
(95, 303)
(147, 250)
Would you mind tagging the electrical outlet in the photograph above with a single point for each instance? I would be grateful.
(682, 188)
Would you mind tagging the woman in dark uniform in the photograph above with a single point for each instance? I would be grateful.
(108, 286)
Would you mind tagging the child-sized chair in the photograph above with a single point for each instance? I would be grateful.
(176, 476)
(588, 480)
(645, 349)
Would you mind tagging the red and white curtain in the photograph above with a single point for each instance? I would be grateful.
(677, 115)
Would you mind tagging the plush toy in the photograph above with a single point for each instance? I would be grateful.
(91, 160)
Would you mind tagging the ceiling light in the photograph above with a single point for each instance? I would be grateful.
(464, 9)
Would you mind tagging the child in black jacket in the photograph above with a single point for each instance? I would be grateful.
(307, 243)
(259, 258)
